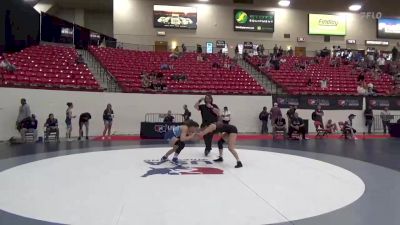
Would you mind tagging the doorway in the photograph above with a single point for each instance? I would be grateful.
(161, 46)
(300, 51)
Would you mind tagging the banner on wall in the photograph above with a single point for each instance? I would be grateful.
(393, 103)
(166, 16)
(220, 44)
(254, 20)
(327, 102)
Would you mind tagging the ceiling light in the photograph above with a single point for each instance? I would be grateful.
(284, 3)
(355, 7)
(203, 0)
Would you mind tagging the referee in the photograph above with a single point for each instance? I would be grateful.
(209, 114)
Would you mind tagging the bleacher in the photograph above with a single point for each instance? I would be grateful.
(341, 81)
(49, 67)
(127, 65)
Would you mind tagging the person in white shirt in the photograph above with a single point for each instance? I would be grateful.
(386, 117)
(381, 62)
(226, 116)
(324, 83)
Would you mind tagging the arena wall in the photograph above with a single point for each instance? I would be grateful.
(133, 23)
(130, 109)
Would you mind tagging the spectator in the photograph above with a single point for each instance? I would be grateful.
(199, 49)
(369, 118)
(275, 112)
(324, 83)
(226, 115)
(51, 125)
(279, 124)
(23, 113)
(316, 116)
(169, 119)
(395, 53)
(80, 59)
(361, 77)
(186, 114)
(309, 82)
(381, 62)
(331, 126)
(184, 49)
(29, 125)
(386, 117)
(216, 65)
(264, 120)
(5, 64)
(262, 49)
(236, 51)
(108, 117)
(280, 51)
(84, 120)
(370, 90)
(348, 129)
(199, 58)
(297, 124)
(361, 90)
(275, 49)
(290, 51)
(165, 66)
(290, 113)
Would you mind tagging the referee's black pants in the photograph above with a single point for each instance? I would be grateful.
(208, 138)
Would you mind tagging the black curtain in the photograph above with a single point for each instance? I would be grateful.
(19, 25)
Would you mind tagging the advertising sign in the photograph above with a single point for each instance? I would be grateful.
(254, 21)
(326, 24)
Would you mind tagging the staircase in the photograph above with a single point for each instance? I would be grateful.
(269, 85)
(103, 77)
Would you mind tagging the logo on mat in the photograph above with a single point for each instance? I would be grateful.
(185, 167)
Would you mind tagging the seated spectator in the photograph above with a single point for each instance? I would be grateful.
(370, 90)
(51, 125)
(5, 64)
(80, 59)
(381, 62)
(29, 125)
(297, 125)
(146, 82)
(216, 65)
(361, 77)
(331, 127)
(168, 119)
(279, 125)
(316, 116)
(324, 83)
(361, 90)
(348, 129)
(165, 66)
(199, 58)
(179, 77)
(309, 82)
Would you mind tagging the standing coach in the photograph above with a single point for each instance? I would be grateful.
(209, 114)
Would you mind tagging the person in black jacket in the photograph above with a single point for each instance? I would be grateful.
(264, 120)
(51, 125)
(187, 114)
(209, 114)
(84, 120)
(108, 117)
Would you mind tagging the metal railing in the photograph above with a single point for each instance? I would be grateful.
(378, 125)
(159, 117)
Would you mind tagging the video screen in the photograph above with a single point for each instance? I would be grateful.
(254, 21)
(180, 17)
(389, 28)
(323, 24)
